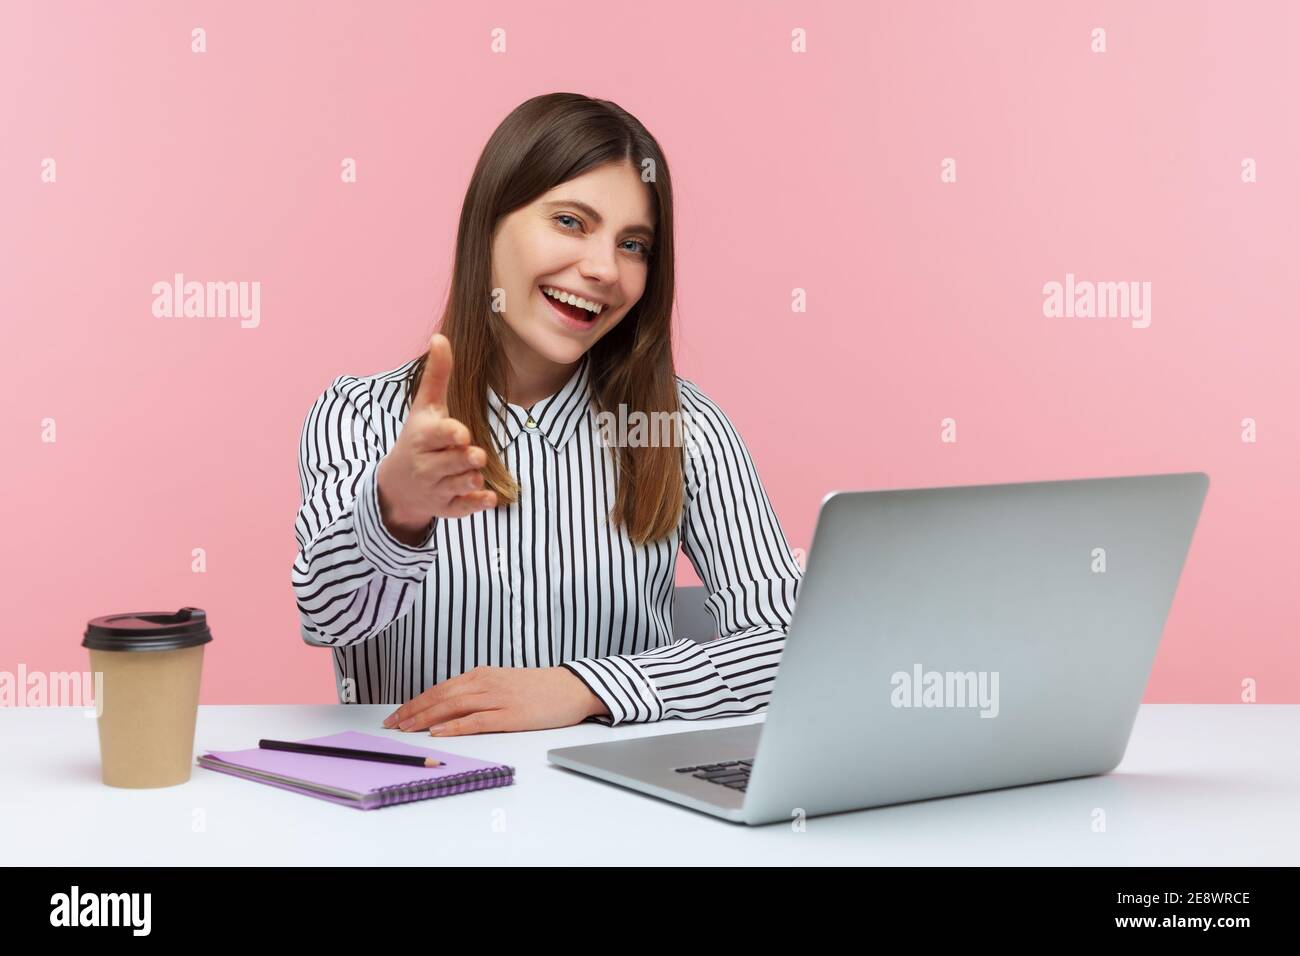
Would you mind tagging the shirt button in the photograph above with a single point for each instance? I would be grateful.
(531, 423)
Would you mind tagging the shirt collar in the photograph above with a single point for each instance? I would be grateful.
(555, 417)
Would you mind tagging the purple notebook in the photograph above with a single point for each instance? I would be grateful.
(364, 784)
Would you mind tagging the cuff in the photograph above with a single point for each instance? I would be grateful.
(377, 544)
(621, 687)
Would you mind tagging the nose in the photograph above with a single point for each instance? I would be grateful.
(600, 267)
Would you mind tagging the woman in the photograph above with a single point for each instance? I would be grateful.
(476, 542)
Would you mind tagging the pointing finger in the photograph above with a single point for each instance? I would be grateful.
(437, 372)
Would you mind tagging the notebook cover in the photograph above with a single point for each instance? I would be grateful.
(376, 784)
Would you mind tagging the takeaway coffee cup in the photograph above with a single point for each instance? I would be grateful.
(152, 663)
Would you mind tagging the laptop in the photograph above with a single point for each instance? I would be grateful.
(945, 641)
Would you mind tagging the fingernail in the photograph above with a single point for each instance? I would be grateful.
(405, 725)
(388, 721)
(436, 729)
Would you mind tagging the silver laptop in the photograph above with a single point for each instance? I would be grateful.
(945, 641)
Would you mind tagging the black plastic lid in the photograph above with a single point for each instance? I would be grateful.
(148, 631)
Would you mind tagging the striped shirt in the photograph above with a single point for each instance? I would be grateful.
(546, 581)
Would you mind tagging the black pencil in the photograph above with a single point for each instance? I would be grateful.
(379, 756)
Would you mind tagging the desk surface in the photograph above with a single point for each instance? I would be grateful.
(1199, 785)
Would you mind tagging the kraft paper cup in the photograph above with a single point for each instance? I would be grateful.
(152, 663)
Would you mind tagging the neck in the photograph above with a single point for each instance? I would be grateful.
(531, 377)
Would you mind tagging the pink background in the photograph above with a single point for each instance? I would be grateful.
(818, 171)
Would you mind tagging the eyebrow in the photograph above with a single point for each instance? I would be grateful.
(596, 217)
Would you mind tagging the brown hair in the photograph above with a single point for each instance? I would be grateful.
(546, 141)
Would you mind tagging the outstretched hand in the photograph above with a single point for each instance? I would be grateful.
(432, 471)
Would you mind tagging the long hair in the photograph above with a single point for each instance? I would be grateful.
(546, 141)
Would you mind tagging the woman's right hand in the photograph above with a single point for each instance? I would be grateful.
(432, 471)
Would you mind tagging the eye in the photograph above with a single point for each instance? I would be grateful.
(643, 252)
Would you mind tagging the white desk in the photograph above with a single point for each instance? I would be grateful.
(1199, 785)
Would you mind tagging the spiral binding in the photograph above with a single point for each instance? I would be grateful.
(462, 782)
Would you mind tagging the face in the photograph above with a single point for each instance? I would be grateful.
(588, 237)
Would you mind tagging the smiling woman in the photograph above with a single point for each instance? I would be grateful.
(470, 546)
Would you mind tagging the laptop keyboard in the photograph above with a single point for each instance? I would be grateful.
(728, 773)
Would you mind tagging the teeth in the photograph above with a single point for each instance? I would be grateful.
(594, 307)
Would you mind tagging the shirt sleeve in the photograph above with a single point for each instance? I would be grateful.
(736, 544)
(351, 577)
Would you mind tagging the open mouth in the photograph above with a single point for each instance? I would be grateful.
(568, 309)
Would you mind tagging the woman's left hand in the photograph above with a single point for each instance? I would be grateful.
(496, 699)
